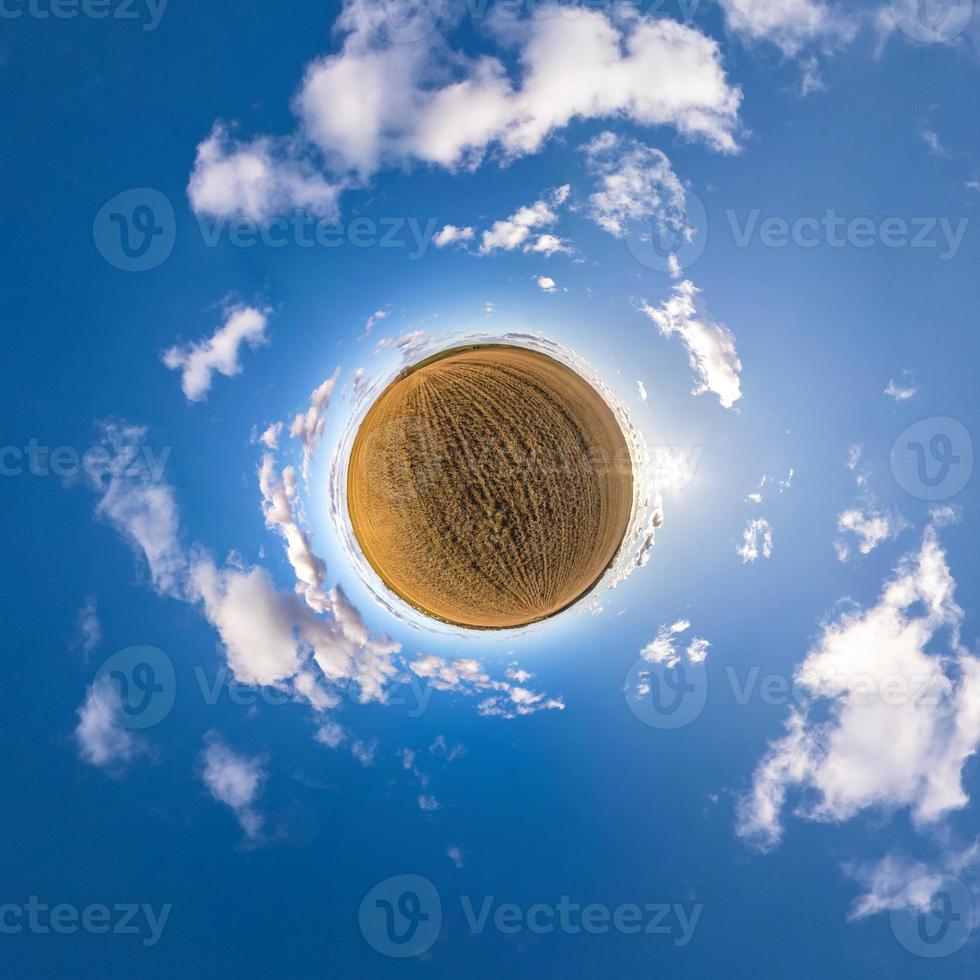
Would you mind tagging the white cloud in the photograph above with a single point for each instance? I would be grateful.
(450, 753)
(235, 780)
(331, 734)
(269, 637)
(546, 284)
(257, 180)
(641, 389)
(548, 245)
(374, 319)
(756, 540)
(254, 620)
(634, 183)
(197, 362)
(902, 391)
(140, 507)
(811, 80)
(870, 525)
(663, 649)
(467, 676)
(710, 346)
(279, 509)
(896, 882)
(429, 803)
(102, 741)
(88, 628)
(867, 520)
(376, 104)
(450, 235)
(518, 230)
(887, 722)
(308, 426)
(364, 751)
(455, 855)
(790, 24)
(271, 435)
(935, 144)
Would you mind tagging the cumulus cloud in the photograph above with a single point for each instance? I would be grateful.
(710, 345)
(546, 284)
(887, 720)
(102, 740)
(664, 650)
(506, 699)
(235, 780)
(376, 103)
(279, 506)
(308, 426)
(518, 230)
(790, 24)
(756, 540)
(450, 234)
(257, 180)
(269, 637)
(139, 506)
(634, 183)
(197, 362)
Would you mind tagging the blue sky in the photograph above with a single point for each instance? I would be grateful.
(755, 224)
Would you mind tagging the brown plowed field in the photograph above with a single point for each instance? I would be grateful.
(490, 486)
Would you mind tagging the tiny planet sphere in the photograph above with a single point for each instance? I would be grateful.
(490, 486)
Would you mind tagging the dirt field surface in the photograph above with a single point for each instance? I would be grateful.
(490, 486)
